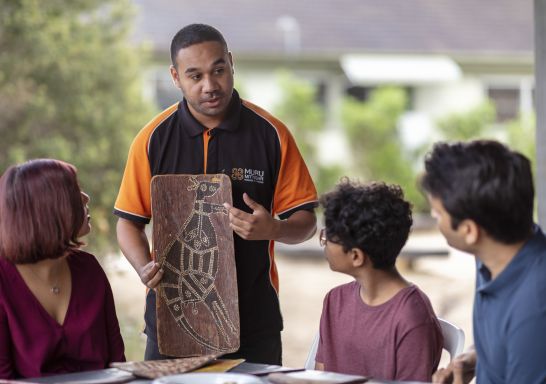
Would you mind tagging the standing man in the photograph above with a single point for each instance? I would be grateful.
(211, 131)
(481, 193)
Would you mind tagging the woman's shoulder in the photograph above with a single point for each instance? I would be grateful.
(3, 275)
(82, 256)
(7, 272)
(88, 272)
(84, 261)
(4, 264)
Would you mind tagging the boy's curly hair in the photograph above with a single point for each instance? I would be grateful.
(373, 217)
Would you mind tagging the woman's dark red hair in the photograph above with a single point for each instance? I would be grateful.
(41, 211)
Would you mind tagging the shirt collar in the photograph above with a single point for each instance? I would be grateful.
(533, 248)
(195, 128)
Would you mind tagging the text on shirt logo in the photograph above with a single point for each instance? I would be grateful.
(250, 175)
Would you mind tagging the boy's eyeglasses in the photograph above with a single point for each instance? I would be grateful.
(322, 237)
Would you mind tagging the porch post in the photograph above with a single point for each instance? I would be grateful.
(540, 102)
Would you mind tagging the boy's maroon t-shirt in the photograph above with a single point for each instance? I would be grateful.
(398, 340)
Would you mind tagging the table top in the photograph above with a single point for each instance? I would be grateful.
(114, 375)
(117, 375)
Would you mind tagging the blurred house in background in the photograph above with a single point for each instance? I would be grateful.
(450, 55)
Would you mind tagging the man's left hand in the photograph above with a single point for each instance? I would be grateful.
(258, 225)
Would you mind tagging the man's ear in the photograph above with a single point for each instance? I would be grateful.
(175, 77)
(470, 231)
(358, 257)
(230, 56)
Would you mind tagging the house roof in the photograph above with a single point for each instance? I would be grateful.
(334, 27)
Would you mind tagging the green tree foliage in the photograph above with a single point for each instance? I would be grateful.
(521, 136)
(372, 130)
(301, 112)
(479, 122)
(327, 176)
(468, 125)
(70, 89)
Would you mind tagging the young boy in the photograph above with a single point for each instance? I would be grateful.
(482, 196)
(380, 325)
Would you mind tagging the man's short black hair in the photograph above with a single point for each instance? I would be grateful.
(194, 34)
(483, 181)
(372, 217)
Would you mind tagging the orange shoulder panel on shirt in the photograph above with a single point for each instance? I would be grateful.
(134, 192)
(294, 186)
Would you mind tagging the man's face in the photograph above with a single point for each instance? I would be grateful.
(454, 237)
(204, 74)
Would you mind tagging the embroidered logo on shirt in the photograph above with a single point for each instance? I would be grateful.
(249, 175)
(237, 174)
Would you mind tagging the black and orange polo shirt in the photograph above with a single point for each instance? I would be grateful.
(259, 154)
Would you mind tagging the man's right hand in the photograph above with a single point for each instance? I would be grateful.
(460, 371)
(134, 245)
(150, 274)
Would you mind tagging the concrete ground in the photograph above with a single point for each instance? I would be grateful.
(305, 278)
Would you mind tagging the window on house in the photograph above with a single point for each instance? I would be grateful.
(167, 94)
(506, 101)
(410, 92)
(320, 95)
(363, 94)
(359, 93)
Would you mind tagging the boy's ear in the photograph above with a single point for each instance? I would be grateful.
(470, 231)
(358, 257)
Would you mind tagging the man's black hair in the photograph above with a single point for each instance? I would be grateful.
(372, 217)
(194, 34)
(483, 181)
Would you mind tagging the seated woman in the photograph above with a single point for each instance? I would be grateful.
(57, 311)
(380, 325)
